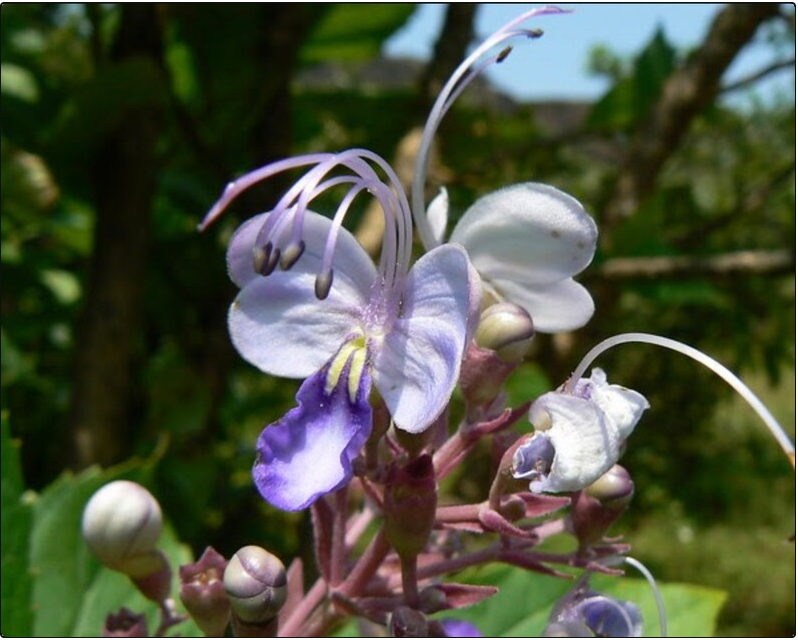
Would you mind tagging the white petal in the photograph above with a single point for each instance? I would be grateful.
(418, 364)
(527, 232)
(278, 324)
(438, 214)
(562, 306)
(621, 405)
(586, 444)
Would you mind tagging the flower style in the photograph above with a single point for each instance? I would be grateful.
(578, 434)
(403, 329)
(526, 241)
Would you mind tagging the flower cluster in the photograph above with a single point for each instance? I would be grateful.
(381, 350)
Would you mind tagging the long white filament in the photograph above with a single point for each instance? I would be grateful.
(663, 620)
(442, 105)
(699, 356)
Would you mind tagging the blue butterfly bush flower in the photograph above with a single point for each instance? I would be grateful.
(393, 328)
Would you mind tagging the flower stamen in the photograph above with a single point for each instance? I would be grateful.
(702, 358)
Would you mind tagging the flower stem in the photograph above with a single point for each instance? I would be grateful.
(410, 580)
(338, 561)
(366, 566)
(304, 608)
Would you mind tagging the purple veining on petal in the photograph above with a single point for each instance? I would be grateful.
(309, 451)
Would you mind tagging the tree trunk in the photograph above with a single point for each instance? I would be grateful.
(109, 328)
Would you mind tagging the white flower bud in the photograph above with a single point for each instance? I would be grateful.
(256, 584)
(506, 329)
(121, 525)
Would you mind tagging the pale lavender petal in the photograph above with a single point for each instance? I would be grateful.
(563, 306)
(309, 451)
(418, 363)
(350, 260)
(531, 233)
(277, 323)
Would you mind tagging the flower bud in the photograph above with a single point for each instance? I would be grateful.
(482, 376)
(202, 593)
(506, 329)
(121, 525)
(125, 624)
(405, 622)
(256, 585)
(411, 496)
(598, 506)
(614, 489)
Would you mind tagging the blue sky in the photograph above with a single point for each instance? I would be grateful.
(555, 66)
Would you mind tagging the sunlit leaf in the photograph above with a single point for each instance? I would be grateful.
(354, 32)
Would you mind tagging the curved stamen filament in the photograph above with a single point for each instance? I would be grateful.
(389, 247)
(292, 206)
(663, 620)
(238, 186)
(454, 87)
(699, 356)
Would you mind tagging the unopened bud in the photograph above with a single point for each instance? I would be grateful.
(121, 525)
(614, 489)
(202, 592)
(405, 622)
(256, 585)
(597, 507)
(411, 497)
(506, 329)
(125, 624)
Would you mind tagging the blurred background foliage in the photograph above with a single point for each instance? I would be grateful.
(121, 125)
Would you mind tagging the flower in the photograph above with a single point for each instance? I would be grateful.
(578, 434)
(402, 329)
(585, 613)
(526, 241)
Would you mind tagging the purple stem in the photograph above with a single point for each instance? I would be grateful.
(303, 609)
(338, 562)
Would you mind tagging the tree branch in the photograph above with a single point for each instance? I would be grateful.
(685, 94)
(778, 65)
(747, 263)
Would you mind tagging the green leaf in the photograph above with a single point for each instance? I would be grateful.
(525, 600)
(354, 32)
(109, 591)
(16, 517)
(691, 610)
(631, 99)
(72, 592)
